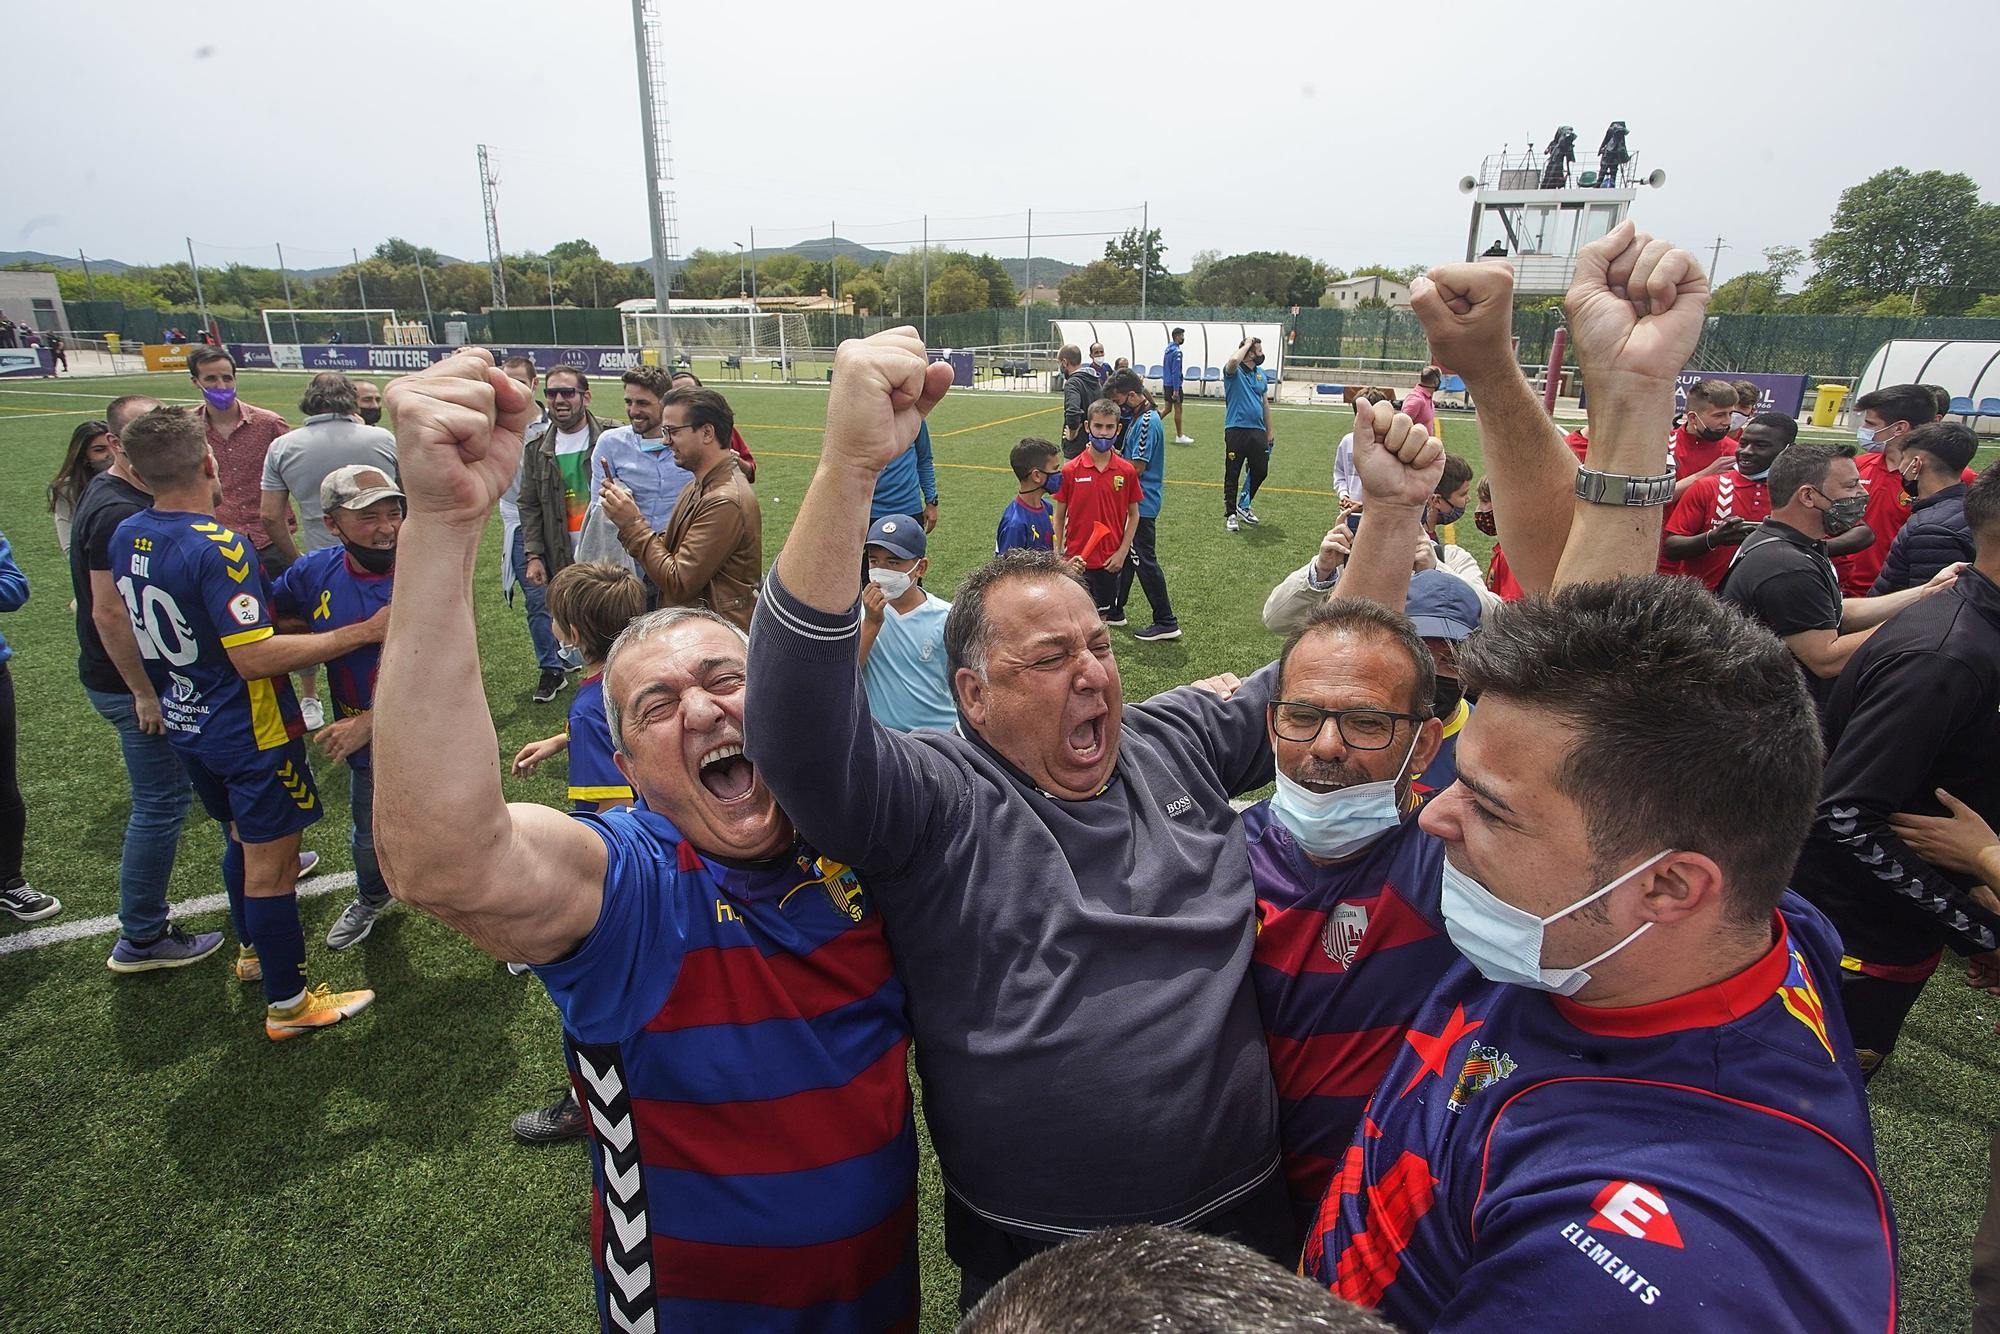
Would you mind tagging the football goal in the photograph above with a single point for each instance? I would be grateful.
(736, 338)
(285, 324)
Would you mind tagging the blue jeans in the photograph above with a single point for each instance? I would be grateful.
(369, 885)
(160, 795)
(547, 656)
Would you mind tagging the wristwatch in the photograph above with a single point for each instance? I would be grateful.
(1613, 488)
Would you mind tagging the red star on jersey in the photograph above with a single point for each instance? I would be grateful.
(1432, 1051)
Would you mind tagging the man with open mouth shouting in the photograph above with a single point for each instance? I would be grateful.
(734, 1028)
(1064, 883)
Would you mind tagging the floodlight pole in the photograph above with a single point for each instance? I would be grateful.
(753, 295)
(927, 280)
(430, 323)
(833, 268)
(1028, 280)
(549, 264)
(288, 291)
(648, 115)
(89, 286)
(199, 299)
(359, 285)
(1145, 253)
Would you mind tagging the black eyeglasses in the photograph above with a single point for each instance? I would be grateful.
(1362, 729)
(553, 392)
(668, 431)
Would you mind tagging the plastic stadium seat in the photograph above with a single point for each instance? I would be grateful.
(1191, 375)
(1211, 372)
(1155, 372)
(1989, 407)
(1961, 407)
(1332, 390)
(1453, 384)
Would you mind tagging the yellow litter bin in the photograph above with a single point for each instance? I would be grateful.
(111, 343)
(650, 355)
(1826, 403)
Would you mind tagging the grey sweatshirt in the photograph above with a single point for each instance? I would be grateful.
(1077, 971)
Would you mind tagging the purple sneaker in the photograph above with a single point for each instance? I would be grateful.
(174, 949)
(308, 863)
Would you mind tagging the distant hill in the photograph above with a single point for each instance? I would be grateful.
(9, 258)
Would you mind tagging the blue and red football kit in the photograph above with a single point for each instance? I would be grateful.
(593, 773)
(328, 591)
(1345, 955)
(194, 591)
(737, 1037)
(1699, 1163)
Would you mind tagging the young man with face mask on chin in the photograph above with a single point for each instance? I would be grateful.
(322, 591)
(1701, 444)
(1781, 575)
(1637, 1076)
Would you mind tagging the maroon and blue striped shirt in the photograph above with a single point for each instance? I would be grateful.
(737, 1037)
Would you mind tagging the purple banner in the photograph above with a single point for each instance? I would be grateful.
(1781, 393)
(23, 361)
(358, 357)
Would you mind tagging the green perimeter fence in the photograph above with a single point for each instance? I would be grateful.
(1823, 345)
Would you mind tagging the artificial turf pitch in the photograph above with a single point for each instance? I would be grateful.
(167, 1168)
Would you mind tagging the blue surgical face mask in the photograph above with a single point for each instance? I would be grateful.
(1345, 820)
(1505, 942)
(1866, 435)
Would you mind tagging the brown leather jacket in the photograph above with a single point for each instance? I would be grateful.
(712, 553)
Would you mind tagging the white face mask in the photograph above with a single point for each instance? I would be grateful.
(1505, 943)
(1345, 820)
(893, 583)
(1737, 421)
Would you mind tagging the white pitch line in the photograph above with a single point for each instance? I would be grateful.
(61, 932)
(64, 393)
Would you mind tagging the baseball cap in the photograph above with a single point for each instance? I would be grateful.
(899, 535)
(357, 486)
(1441, 606)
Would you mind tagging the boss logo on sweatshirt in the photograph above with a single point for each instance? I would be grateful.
(1180, 806)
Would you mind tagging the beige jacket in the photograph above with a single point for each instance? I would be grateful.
(1293, 600)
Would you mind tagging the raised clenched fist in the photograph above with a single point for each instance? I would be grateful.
(1399, 462)
(883, 387)
(458, 436)
(1635, 314)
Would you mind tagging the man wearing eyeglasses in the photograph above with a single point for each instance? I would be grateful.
(555, 489)
(1350, 934)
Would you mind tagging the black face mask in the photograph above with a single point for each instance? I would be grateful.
(370, 416)
(375, 560)
(1909, 485)
(1709, 434)
(1444, 702)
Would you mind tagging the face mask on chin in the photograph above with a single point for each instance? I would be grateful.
(375, 560)
(1707, 434)
(1505, 942)
(1334, 824)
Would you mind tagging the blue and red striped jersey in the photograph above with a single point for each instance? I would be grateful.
(1345, 954)
(327, 590)
(1699, 1163)
(737, 1037)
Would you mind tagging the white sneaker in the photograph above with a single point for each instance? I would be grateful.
(1231, 524)
(310, 710)
(1249, 515)
(1183, 439)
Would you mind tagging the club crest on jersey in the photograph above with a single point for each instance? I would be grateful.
(183, 687)
(843, 890)
(245, 609)
(1341, 936)
(1484, 1067)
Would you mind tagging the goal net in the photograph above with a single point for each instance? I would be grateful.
(738, 338)
(286, 324)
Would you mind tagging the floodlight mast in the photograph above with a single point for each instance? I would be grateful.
(649, 45)
(494, 266)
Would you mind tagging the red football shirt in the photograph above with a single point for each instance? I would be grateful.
(1692, 455)
(1888, 511)
(240, 456)
(1500, 578)
(1709, 503)
(1095, 500)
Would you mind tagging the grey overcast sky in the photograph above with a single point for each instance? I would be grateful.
(1336, 130)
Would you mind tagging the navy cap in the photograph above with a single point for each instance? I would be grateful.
(898, 534)
(1442, 606)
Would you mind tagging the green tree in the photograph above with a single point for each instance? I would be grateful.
(707, 275)
(959, 288)
(865, 290)
(1987, 307)
(398, 251)
(564, 251)
(1000, 293)
(1901, 230)
(1260, 278)
(1101, 283)
(1406, 275)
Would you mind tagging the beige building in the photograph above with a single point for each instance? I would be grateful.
(33, 299)
(1351, 292)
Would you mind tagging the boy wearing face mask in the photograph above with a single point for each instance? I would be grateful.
(1095, 508)
(339, 585)
(1027, 523)
(902, 633)
(1701, 443)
